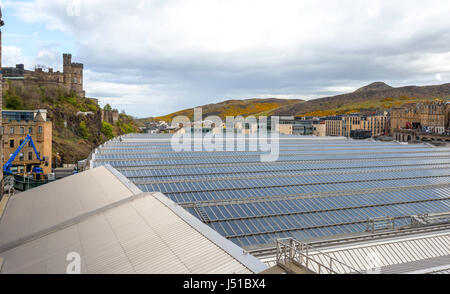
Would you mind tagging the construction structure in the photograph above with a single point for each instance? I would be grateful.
(17, 124)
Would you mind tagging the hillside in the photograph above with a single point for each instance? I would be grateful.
(233, 108)
(74, 134)
(376, 96)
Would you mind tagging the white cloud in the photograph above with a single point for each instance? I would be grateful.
(11, 55)
(187, 53)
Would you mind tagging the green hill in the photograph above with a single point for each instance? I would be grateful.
(376, 96)
(233, 108)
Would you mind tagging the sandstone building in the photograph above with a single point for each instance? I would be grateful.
(71, 78)
(432, 117)
(319, 129)
(343, 125)
(17, 124)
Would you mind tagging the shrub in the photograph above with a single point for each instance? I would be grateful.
(73, 101)
(13, 102)
(84, 132)
(107, 130)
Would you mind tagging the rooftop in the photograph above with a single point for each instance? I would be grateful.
(114, 227)
(318, 187)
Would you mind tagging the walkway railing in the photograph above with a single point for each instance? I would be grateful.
(291, 252)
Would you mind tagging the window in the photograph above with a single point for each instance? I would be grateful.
(11, 130)
(41, 129)
(22, 130)
(21, 156)
(11, 143)
(30, 130)
(30, 155)
(21, 141)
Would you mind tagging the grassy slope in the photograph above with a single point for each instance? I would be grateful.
(233, 108)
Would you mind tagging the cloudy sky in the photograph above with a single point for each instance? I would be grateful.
(153, 57)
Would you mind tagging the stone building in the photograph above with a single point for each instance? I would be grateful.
(290, 125)
(432, 117)
(344, 125)
(319, 129)
(17, 124)
(351, 122)
(333, 126)
(71, 78)
(377, 124)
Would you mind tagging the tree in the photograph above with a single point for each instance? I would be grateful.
(13, 102)
(107, 107)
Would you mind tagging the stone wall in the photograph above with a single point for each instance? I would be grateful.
(71, 78)
(110, 116)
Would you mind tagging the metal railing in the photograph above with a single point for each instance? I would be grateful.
(380, 223)
(291, 252)
(20, 183)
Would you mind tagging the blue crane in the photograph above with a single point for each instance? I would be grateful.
(8, 164)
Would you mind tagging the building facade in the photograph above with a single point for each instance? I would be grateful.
(344, 125)
(290, 125)
(71, 78)
(17, 124)
(333, 126)
(377, 124)
(432, 117)
(320, 129)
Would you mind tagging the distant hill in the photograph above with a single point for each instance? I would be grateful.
(233, 108)
(376, 96)
(377, 86)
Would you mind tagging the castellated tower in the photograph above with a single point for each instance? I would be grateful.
(73, 75)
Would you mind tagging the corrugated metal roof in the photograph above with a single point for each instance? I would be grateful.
(398, 255)
(115, 231)
(30, 213)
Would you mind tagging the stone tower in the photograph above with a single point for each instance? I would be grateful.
(73, 75)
